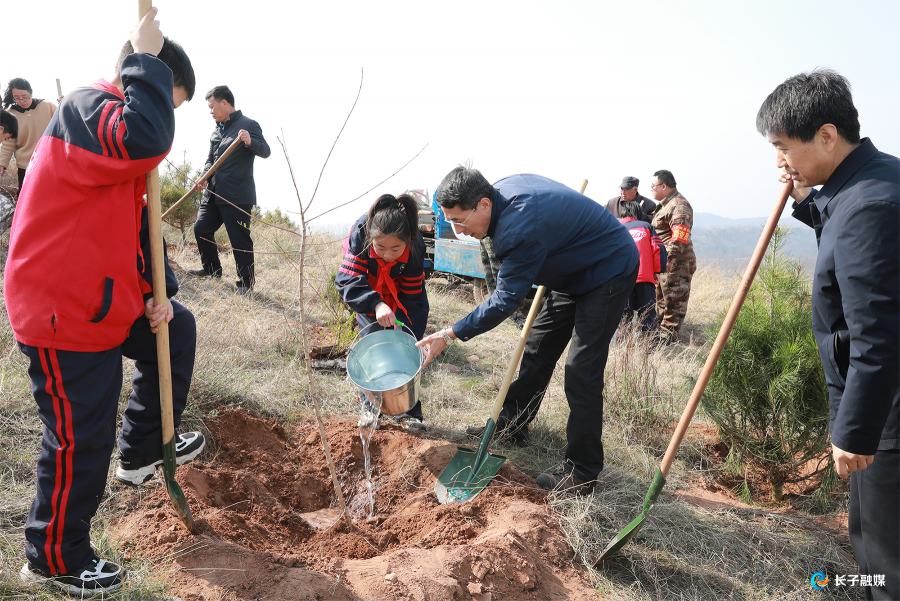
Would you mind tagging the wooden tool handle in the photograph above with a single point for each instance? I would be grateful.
(157, 265)
(523, 338)
(725, 330)
(520, 347)
(206, 175)
(58, 88)
(158, 270)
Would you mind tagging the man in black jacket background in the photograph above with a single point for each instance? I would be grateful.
(230, 193)
(811, 121)
(628, 193)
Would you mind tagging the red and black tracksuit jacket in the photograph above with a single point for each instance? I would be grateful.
(75, 282)
(364, 280)
(77, 272)
(653, 251)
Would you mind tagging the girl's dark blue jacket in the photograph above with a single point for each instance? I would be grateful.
(402, 286)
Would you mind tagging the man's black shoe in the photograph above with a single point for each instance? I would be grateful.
(520, 438)
(562, 479)
(203, 272)
(243, 288)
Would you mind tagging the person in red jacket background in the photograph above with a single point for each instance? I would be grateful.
(382, 278)
(78, 291)
(653, 262)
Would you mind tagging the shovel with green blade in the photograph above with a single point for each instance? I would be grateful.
(659, 480)
(469, 472)
(157, 266)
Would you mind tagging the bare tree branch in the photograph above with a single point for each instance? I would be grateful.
(313, 197)
(370, 189)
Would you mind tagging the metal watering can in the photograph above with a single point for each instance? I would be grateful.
(387, 366)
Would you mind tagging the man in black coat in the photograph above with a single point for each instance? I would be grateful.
(230, 193)
(628, 193)
(811, 121)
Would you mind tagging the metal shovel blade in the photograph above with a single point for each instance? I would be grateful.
(456, 483)
(623, 537)
(469, 472)
(175, 493)
(628, 532)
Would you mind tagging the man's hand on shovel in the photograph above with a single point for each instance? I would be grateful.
(798, 193)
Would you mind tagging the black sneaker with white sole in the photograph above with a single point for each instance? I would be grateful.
(96, 578)
(138, 471)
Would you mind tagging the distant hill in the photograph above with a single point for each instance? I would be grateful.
(708, 220)
(731, 241)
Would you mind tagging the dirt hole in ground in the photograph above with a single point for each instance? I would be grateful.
(248, 490)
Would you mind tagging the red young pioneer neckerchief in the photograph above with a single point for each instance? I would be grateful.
(384, 284)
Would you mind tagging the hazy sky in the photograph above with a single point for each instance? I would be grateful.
(568, 90)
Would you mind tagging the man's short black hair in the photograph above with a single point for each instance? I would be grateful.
(9, 123)
(665, 177)
(463, 187)
(175, 58)
(804, 103)
(221, 93)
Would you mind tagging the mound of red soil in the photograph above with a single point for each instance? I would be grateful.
(257, 480)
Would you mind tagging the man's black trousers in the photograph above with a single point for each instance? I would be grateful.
(589, 321)
(643, 302)
(874, 522)
(237, 223)
(77, 395)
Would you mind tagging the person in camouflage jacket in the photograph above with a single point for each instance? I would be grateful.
(673, 220)
(491, 265)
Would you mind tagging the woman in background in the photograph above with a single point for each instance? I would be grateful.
(33, 115)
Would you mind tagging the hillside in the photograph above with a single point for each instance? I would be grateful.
(729, 242)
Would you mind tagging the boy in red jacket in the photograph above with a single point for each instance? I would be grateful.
(653, 261)
(78, 289)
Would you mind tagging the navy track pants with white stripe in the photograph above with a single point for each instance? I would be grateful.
(77, 395)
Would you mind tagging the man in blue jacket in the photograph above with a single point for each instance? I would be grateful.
(230, 193)
(548, 234)
(811, 121)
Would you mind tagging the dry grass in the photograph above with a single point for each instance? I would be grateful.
(249, 355)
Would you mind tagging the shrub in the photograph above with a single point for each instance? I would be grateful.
(768, 395)
(173, 185)
(275, 217)
(341, 319)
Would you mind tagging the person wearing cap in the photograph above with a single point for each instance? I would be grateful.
(673, 220)
(628, 192)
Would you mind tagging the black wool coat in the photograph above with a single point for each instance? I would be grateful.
(856, 297)
(234, 178)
